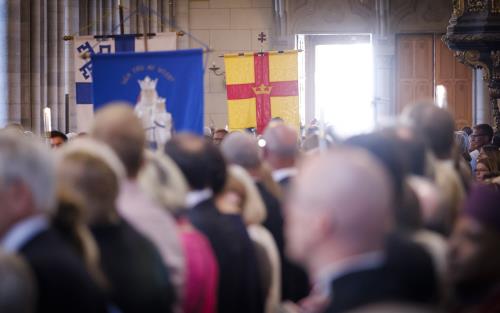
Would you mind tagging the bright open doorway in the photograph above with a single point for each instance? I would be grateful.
(343, 82)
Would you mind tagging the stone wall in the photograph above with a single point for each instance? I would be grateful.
(226, 26)
(233, 25)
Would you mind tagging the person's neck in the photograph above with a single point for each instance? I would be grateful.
(280, 163)
(108, 214)
(255, 173)
(333, 252)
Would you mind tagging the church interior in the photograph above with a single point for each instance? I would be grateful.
(405, 53)
(250, 156)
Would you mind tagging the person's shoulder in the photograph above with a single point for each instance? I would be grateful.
(54, 262)
(47, 240)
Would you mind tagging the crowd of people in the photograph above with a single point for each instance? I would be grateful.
(403, 219)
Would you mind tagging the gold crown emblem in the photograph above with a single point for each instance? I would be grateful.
(262, 90)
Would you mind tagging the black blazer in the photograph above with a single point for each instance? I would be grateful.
(357, 289)
(63, 283)
(138, 277)
(294, 279)
(239, 283)
(407, 275)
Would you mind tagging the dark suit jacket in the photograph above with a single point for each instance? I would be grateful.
(138, 277)
(274, 219)
(63, 283)
(239, 284)
(294, 279)
(407, 275)
(357, 289)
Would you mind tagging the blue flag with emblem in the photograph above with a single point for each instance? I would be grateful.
(177, 76)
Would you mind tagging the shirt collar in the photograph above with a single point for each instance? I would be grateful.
(22, 232)
(329, 273)
(195, 197)
(282, 173)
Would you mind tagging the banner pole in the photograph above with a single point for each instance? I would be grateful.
(122, 23)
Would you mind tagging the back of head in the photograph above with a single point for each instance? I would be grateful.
(92, 182)
(343, 196)
(25, 161)
(187, 151)
(17, 286)
(118, 126)
(281, 140)
(436, 125)
(387, 151)
(162, 179)
(58, 134)
(89, 175)
(216, 167)
(241, 149)
(462, 141)
(467, 130)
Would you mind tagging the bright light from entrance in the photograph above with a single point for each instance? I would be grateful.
(344, 87)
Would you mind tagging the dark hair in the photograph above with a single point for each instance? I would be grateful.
(467, 130)
(221, 130)
(386, 150)
(496, 139)
(216, 166)
(486, 129)
(56, 134)
(187, 151)
(413, 155)
(437, 128)
(200, 161)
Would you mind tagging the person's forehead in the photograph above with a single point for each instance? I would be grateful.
(478, 132)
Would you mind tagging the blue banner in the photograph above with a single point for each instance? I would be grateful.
(179, 76)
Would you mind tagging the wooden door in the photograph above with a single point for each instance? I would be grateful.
(457, 78)
(423, 62)
(414, 69)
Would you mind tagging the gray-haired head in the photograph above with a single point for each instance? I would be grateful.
(462, 141)
(28, 162)
(281, 140)
(241, 149)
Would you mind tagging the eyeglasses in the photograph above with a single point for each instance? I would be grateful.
(477, 136)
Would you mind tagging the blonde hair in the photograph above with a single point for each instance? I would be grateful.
(163, 181)
(254, 210)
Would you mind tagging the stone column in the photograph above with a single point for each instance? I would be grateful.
(481, 112)
(182, 22)
(14, 61)
(37, 44)
(71, 22)
(4, 102)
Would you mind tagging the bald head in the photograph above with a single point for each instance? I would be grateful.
(281, 140)
(241, 149)
(118, 126)
(345, 198)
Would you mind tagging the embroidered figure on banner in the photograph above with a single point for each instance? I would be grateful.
(151, 109)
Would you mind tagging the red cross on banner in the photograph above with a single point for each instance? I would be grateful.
(264, 80)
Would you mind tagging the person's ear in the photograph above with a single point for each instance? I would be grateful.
(19, 200)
